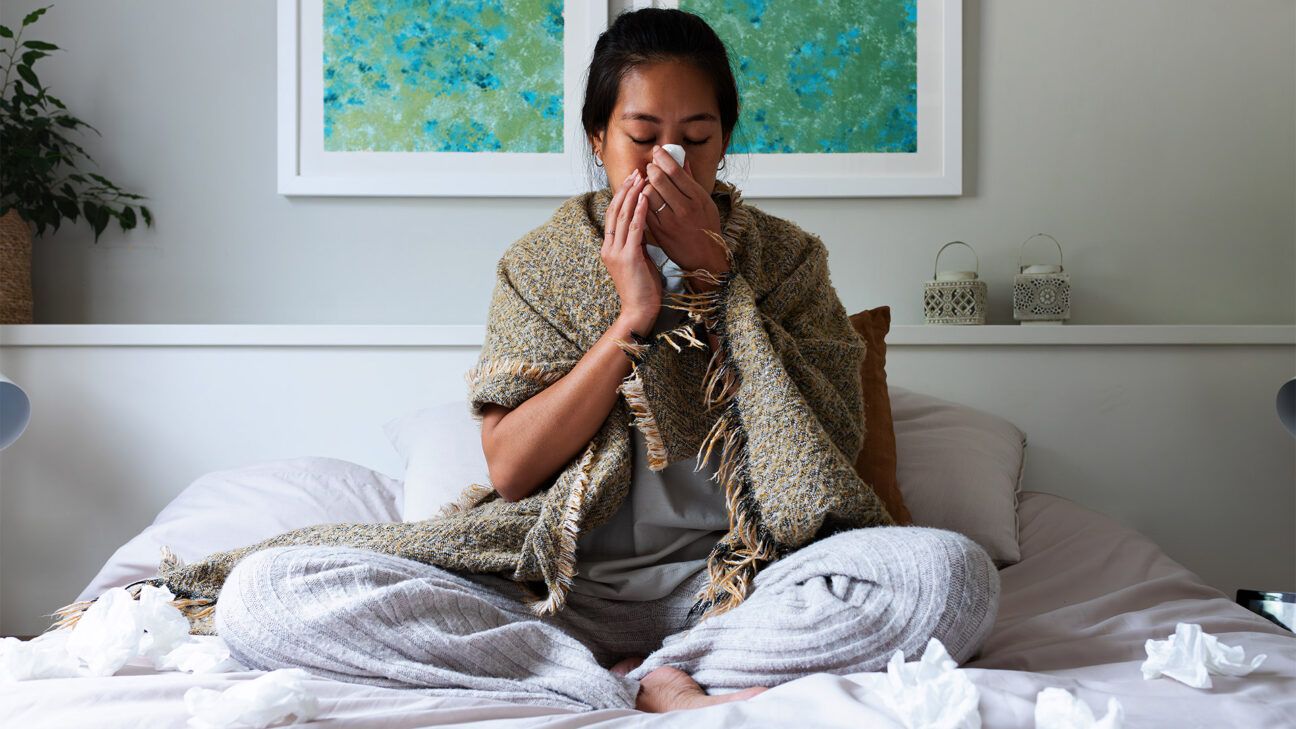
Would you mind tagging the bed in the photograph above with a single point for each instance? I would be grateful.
(1077, 605)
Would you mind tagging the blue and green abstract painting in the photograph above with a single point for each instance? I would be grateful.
(443, 76)
(832, 76)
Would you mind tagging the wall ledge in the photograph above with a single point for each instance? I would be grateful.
(453, 335)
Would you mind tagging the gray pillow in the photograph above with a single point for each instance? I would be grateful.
(959, 468)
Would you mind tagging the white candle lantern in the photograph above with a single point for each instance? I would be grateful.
(954, 297)
(1041, 292)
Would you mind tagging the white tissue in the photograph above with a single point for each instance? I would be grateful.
(1056, 708)
(931, 693)
(199, 654)
(44, 656)
(1191, 655)
(164, 626)
(258, 703)
(676, 152)
(115, 629)
(108, 633)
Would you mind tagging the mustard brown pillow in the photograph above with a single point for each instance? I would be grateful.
(876, 461)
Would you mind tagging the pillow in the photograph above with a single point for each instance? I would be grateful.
(960, 469)
(443, 454)
(240, 506)
(876, 461)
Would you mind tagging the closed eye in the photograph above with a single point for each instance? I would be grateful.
(686, 141)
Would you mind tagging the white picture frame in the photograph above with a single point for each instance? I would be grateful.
(935, 170)
(304, 168)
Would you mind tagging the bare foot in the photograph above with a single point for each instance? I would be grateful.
(667, 689)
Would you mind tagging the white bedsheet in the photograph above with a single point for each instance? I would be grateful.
(1075, 614)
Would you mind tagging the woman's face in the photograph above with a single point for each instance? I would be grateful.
(668, 102)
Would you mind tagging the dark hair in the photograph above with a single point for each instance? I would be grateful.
(650, 35)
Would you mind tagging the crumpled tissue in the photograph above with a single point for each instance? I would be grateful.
(1191, 655)
(930, 693)
(263, 701)
(1056, 708)
(115, 629)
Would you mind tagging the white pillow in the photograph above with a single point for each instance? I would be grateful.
(443, 454)
(240, 506)
(959, 468)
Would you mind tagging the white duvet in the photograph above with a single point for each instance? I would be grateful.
(1075, 614)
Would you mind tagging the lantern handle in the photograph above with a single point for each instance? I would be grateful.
(936, 265)
(1020, 267)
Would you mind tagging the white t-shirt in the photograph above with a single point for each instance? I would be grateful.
(667, 524)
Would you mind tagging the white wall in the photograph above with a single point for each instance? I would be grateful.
(1154, 138)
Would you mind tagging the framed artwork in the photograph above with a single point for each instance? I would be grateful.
(843, 98)
(840, 98)
(457, 98)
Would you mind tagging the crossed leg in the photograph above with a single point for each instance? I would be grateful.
(840, 605)
(365, 617)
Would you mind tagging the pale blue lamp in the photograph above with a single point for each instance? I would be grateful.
(15, 411)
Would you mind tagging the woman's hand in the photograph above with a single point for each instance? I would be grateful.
(637, 279)
(681, 227)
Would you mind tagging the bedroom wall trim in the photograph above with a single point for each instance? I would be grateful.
(448, 335)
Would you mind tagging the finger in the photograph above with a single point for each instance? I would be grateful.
(684, 182)
(655, 201)
(626, 212)
(609, 216)
(665, 187)
(655, 225)
(634, 237)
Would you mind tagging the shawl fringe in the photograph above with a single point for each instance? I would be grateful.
(517, 368)
(571, 521)
(643, 419)
(473, 495)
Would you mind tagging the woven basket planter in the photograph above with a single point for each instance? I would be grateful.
(15, 269)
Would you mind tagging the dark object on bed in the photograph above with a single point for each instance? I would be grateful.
(1277, 607)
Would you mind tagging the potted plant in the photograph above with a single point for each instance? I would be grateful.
(39, 184)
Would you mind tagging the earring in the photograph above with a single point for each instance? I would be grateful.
(598, 161)
(722, 164)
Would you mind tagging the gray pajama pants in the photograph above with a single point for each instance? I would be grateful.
(839, 605)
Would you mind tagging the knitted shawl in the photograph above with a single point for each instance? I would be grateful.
(780, 398)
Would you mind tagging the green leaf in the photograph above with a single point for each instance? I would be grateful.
(148, 217)
(68, 208)
(5, 32)
(28, 76)
(40, 45)
(31, 56)
(98, 218)
(34, 15)
(127, 219)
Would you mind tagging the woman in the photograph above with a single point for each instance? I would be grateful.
(791, 581)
